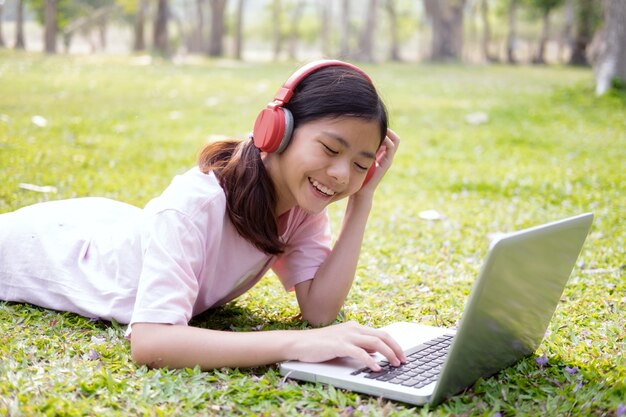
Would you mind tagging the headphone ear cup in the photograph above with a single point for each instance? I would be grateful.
(288, 119)
(272, 129)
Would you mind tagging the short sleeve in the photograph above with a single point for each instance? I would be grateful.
(308, 246)
(173, 257)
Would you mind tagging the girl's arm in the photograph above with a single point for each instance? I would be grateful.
(175, 346)
(321, 298)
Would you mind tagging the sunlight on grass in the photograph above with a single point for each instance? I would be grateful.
(549, 149)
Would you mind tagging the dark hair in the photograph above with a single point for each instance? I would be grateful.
(329, 92)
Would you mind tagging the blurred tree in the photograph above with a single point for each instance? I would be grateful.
(139, 41)
(588, 15)
(296, 14)
(160, 35)
(545, 7)
(50, 26)
(392, 14)
(366, 37)
(344, 45)
(277, 13)
(216, 39)
(20, 43)
(565, 40)
(2, 43)
(486, 38)
(68, 16)
(610, 68)
(446, 20)
(511, 37)
(195, 41)
(135, 13)
(325, 16)
(96, 16)
(238, 49)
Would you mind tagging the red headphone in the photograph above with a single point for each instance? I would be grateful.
(274, 124)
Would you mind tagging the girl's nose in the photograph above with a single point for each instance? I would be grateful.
(340, 171)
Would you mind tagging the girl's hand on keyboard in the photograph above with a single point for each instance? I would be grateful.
(347, 340)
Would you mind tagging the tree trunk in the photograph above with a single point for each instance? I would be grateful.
(139, 43)
(584, 30)
(366, 39)
(512, 34)
(486, 41)
(543, 40)
(216, 38)
(19, 26)
(344, 46)
(50, 32)
(102, 35)
(446, 18)
(238, 52)
(160, 36)
(2, 43)
(195, 40)
(392, 12)
(325, 16)
(565, 40)
(278, 34)
(611, 66)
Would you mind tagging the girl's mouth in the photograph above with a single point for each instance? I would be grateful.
(322, 188)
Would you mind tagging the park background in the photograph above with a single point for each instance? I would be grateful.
(497, 136)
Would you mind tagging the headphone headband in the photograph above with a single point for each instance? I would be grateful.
(286, 91)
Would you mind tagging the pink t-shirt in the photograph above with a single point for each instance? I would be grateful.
(176, 258)
(194, 258)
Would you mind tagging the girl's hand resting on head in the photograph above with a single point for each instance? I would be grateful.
(347, 340)
(384, 158)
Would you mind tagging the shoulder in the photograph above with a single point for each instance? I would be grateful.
(301, 223)
(190, 193)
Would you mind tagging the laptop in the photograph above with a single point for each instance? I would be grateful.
(505, 318)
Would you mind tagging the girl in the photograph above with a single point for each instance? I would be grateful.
(217, 229)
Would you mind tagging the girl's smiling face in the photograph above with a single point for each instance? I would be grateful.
(326, 161)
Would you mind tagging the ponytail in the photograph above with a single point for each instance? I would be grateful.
(250, 194)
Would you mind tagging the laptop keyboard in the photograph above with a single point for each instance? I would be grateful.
(422, 367)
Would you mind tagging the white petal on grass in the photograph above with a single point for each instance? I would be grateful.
(212, 101)
(175, 115)
(97, 340)
(477, 118)
(431, 215)
(39, 121)
(37, 188)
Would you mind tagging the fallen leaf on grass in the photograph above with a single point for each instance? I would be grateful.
(477, 118)
(431, 215)
(37, 188)
(39, 121)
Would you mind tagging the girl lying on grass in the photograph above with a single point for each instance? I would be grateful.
(217, 229)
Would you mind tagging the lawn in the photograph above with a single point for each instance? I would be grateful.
(123, 127)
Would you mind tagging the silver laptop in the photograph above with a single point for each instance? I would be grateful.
(505, 319)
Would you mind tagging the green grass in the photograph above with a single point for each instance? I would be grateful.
(550, 149)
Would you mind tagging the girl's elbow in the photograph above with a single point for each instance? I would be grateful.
(144, 350)
(142, 354)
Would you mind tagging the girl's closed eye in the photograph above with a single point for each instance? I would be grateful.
(360, 167)
(329, 149)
